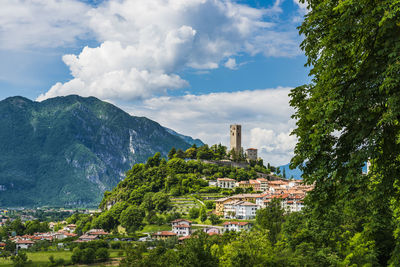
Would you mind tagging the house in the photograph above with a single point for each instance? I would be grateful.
(226, 183)
(181, 221)
(87, 238)
(2, 245)
(244, 184)
(98, 232)
(163, 235)
(263, 184)
(212, 230)
(181, 227)
(255, 184)
(219, 203)
(24, 244)
(240, 210)
(236, 226)
(70, 227)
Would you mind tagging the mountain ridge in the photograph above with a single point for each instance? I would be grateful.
(66, 151)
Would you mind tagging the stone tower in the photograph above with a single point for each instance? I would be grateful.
(236, 137)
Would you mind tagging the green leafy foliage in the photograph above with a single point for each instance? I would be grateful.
(349, 115)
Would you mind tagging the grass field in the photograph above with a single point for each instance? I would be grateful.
(155, 228)
(42, 258)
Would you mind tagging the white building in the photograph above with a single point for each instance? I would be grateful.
(226, 183)
(293, 205)
(24, 244)
(182, 227)
(263, 184)
(241, 210)
(236, 226)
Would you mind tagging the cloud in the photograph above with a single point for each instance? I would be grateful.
(42, 24)
(146, 44)
(231, 64)
(263, 114)
(302, 6)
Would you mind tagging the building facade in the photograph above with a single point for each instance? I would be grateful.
(226, 183)
(251, 154)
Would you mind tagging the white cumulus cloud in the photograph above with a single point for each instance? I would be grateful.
(42, 23)
(263, 114)
(145, 45)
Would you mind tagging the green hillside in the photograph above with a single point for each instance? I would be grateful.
(67, 151)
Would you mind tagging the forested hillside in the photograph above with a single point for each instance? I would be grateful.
(67, 151)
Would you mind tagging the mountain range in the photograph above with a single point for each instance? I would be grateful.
(66, 151)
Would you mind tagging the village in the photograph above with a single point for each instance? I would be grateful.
(236, 211)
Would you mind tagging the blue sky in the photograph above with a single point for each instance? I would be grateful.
(195, 66)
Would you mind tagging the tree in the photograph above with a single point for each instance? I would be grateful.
(102, 254)
(204, 152)
(161, 202)
(171, 153)
(21, 259)
(194, 213)
(214, 219)
(249, 249)
(350, 112)
(132, 218)
(271, 218)
(191, 153)
(203, 214)
(180, 154)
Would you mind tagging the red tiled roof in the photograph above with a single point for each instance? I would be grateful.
(25, 242)
(237, 223)
(164, 233)
(184, 237)
(226, 179)
(212, 233)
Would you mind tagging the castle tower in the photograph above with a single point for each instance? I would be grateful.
(236, 137)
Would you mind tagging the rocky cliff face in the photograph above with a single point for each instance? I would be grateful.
(69, 150)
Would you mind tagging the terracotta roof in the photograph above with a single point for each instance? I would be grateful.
(25, 242)
(262, 179)
(2, 244)
(251, 148)
(278, 182)
(212, 233)
(70, 234)
(100, 232)
(226, 179)
(88, 236)
(237, 223)
(184, 237)
(164, 233)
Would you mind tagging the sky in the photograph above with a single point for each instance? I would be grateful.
(195, 66)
